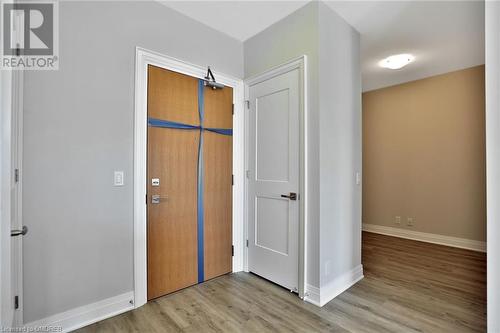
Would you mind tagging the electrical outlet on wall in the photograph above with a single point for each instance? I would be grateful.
(410, 221)
(397, 220)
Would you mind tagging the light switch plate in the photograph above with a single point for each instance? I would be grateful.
(118, 178)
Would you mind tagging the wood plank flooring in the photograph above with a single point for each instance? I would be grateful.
(409, 286)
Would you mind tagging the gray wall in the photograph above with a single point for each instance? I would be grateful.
(78, 129)
(493, 160)
(340, 145)
(334, 127)
(294, 36)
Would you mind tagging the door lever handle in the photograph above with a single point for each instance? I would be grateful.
(21, 232)
(291, 196)
(156, 198)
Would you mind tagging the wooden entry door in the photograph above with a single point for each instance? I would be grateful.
(189, 181)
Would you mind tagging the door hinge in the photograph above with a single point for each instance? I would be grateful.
(248, 174)
(232, 180)
(16, 302)
(146, 199)
(247, 102)
(233, 109)
(16, 175)
(232, 250)
(247, 242)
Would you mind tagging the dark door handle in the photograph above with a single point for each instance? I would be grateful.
(291, 196)
(21, 232)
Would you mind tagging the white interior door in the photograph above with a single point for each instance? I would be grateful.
(6, 292)
(10, 244)
(273, 184)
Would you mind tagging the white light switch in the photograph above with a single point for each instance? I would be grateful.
(118, 179)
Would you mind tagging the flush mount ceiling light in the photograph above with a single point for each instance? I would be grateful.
(396, 61)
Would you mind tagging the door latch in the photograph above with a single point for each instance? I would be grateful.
(291, 196)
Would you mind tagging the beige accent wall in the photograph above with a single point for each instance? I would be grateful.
(424, 155)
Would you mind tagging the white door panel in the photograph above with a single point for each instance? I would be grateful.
(274, 172)
(272, 236)
(272, 155)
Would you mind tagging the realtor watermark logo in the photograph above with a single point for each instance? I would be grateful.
(30, 35)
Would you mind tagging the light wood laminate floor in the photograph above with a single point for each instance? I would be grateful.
(409, 286)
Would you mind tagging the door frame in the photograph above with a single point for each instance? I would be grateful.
(299, 63)
(143, 58)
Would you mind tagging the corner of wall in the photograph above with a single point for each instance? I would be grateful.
(339, 154)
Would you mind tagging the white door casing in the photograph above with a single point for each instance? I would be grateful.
(144, 58)
(273, 165)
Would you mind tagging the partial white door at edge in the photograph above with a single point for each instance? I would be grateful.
(273, 227)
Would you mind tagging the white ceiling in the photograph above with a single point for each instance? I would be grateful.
(238, 19)
(443, 35)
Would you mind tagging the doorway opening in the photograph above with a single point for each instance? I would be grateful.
(189, 128)
(424, 193)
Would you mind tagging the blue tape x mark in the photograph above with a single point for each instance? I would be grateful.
(200, 215)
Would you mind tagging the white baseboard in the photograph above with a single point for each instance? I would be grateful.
(88, 314)
(462, 243)
(323, 295)
(340, 284)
